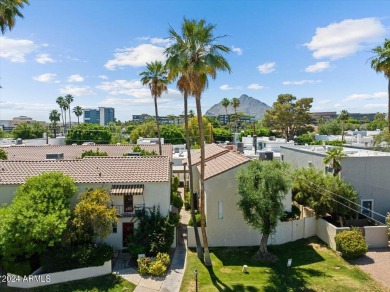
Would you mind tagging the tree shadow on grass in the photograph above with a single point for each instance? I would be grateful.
(291, 280)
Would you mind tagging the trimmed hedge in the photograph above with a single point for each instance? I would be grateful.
(69, 258)
(351, 244)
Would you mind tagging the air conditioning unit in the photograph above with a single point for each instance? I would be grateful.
(134, 154)
(266, 155)
(54, 156)
(240, 147)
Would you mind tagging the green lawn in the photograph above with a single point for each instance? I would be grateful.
(314, 268)
(109, 283)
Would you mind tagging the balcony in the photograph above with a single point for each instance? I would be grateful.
(125, 213)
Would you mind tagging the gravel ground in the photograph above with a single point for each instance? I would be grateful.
(376, 262)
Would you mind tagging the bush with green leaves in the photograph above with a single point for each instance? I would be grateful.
(135, 249)
(154, 266)
(191, 223)
(292, 215)
(187, 201)
(18, 267)
(351, 243)
(62, 258)
(154, 232)
(88, 132)
(3, 155)
(94, 153)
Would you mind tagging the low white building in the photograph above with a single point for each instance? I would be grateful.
(133, 182)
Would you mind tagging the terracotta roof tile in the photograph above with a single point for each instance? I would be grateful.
(222, 163)
(71, 152)
(211, 151)
(92, 169)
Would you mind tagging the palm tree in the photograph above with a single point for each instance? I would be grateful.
(9, 9)
(333, 159)
(235, 104)
(54, 117)
(156, 77)
(196, 56)
(191, 113)
(343, 118)
(61, 102)
(381, 63)
(184, 88)
(225, 103)
(69, 99)
(78, 111)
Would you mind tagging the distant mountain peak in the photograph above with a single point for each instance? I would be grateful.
(248, 105)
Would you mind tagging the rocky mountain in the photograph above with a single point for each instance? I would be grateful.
(248, 105)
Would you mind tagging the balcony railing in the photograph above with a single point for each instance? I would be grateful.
(127, 213)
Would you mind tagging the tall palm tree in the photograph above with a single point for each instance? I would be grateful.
(191, 113)
(61, 102)
(9, 9)
(343, 118)
(184, 88)
(69, 99)
(78, 111)
(235, 104)
(196, 56)
(333, 159)
(381, 63)
(156, 77)
(54, 117)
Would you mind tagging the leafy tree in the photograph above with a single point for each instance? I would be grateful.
(214, 121)
(333, 159)
(3, 155)
(220, 134)
(28, 131)
(195, 55)
(78, 111)
(92, 217)
(330, 128)
(156, 77)
(147, 129)
(193, 129)
(54, 117)
(262, 187)
(226, 103)
(173, 134)
(324, 193)
(381, 63)
(143, 152)
(9, 9)
(88, 132)
(343, 118)
(305, 139)
(37, 216)
(289, 115)
(69, 99)
(379, 122)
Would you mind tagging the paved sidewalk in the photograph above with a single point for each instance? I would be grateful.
(174, 277)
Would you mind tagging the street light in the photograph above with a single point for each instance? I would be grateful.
(196, 280)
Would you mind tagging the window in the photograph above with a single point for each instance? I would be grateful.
(114, 228)
(128, 203)
(220, 210)
(367, 207)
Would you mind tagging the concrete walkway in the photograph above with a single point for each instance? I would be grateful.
(172, 281)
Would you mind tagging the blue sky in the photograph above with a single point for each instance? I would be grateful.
(95, 50)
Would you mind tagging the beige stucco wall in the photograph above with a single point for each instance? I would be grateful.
(327, 232)
(376, 236)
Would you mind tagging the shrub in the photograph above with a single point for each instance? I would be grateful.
(153, 266)
(351, 243)
(74, 257)
(135, 249)
(187, 201)
(176, 200)
(294, 214)
(21, 268)
(94, 153)
(191, 223)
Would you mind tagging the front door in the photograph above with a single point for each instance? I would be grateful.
(127, 230)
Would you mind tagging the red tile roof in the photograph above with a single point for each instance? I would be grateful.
(71, 152)
(92, 169)
(211, 150)
(221, 163)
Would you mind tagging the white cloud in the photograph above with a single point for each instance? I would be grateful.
(44, 58)
(238, 51)
(267, 68)
(75, 78)
(114, 101)
(136, 56)
(375, 106)
(77, 90)
(364, 96)
(301, 82)
(228, 87)
(48, 77)
(16, 50)
(103, 77)
(255, 86)
(160, 41)
(341, 39)
(317, 67)
(35, 107)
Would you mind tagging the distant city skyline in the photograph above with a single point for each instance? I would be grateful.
(318, 49)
